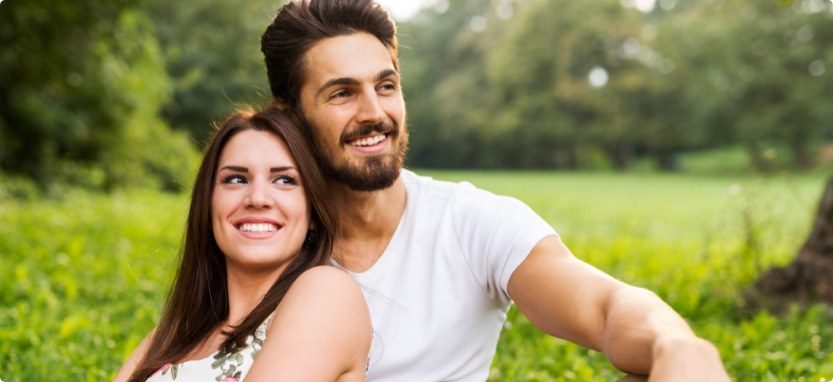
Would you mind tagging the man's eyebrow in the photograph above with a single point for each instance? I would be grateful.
(353, 82)
(385, 73)
(338, 81)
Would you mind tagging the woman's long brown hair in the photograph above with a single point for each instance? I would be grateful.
(198, 302)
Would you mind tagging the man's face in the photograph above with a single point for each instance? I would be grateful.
(352, 101)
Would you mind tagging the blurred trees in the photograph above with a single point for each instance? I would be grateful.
(553, 83)
(115, 94)
(82, 85)
(442, 52)
(769, 83)
(212, 55)
(120, 93)
(569, 92)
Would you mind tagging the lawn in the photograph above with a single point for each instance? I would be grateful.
(84, 275)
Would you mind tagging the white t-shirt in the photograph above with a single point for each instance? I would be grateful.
(438, 294)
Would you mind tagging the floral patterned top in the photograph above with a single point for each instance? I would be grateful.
(219, 367)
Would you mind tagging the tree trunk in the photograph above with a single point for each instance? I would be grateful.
(801, 153)
(667, 161)
(619, 155)
(810, 276)
(756, 156)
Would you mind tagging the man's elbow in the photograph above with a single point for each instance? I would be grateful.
(636, 318)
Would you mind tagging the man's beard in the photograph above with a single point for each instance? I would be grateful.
(372, 173)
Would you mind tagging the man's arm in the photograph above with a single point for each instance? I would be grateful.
(639, 333)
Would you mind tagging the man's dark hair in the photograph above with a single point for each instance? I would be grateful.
(299, 25)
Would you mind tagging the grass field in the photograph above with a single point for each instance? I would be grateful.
(82, 277)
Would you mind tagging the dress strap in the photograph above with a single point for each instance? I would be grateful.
(260, 332)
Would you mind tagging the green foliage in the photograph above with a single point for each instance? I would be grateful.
(543, 87)
(85, 275)
(83, 280)
(102, 94)
(442, 88)
(146, 153)
(83, 83)
(771, 86)
(517, 91)
(54, 98)
(15, 188)
(212, 56)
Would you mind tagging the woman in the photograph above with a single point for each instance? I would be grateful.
(252, 280)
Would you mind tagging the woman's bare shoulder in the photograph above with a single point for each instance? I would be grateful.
(320, 331)
(133, 361)
(326, 289)
(325, 278)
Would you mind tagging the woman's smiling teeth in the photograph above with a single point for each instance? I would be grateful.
(365, 142)
(257, 227)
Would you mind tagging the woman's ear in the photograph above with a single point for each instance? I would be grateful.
(311, 237)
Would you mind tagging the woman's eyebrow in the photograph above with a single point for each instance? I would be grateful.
(281, 169)
(234, 168)
(246, 169)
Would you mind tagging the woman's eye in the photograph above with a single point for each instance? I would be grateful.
(285, 180)
(234, 179)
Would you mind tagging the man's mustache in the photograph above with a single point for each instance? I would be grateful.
(365, 130)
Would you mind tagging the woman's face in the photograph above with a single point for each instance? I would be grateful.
(259, 212)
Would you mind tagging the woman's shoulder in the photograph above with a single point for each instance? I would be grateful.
(323, 312)
(324, 288)
(325, 278)
(133, 360)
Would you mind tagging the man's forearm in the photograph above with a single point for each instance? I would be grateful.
(639, 333)
(638, 325)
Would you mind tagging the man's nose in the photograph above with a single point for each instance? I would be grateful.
(370, 109)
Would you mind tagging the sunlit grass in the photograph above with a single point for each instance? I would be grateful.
(696, 241)
(84, 276)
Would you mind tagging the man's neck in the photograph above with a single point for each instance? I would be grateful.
(368, 221)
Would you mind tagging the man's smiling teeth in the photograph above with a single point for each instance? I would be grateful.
(368, 141)
(260, 227)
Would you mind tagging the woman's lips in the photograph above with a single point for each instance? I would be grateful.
(257, 228)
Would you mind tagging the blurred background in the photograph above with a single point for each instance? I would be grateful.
(124, 93)
(678, 145)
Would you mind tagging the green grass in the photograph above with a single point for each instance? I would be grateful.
(82, 282)
(84, 276)
(696, 241)
(726, 160)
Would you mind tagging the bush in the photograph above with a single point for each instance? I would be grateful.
(17, 188)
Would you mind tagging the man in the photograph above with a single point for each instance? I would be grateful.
(440, 263)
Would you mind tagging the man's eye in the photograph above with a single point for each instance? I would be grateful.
(339, 94)
(234, 179)
(388, 86)
(285, 180)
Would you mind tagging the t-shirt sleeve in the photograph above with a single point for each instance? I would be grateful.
(495, 234)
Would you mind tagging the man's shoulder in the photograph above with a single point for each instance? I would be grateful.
(429, 186)
(461, 197)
